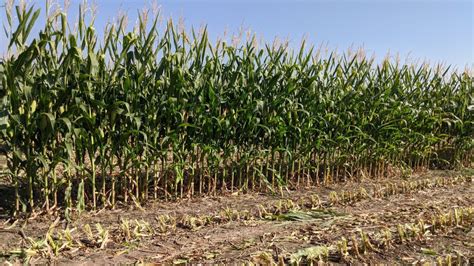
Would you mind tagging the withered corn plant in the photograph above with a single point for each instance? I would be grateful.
(94, 119)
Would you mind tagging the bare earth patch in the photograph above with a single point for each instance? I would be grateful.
(246, 228)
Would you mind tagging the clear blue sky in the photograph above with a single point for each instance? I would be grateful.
(437, 31)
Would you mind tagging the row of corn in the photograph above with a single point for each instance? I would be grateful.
(91, 119)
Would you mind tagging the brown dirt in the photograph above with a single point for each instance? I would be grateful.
(244, 240)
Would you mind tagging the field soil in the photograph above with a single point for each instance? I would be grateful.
(266, 236)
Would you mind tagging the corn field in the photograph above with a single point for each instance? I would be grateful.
(91, 120)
